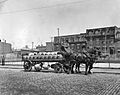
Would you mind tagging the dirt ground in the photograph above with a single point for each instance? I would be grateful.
(17, 82)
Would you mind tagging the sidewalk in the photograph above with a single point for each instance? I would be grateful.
(106, 70)
(98, 67)
(12, 65)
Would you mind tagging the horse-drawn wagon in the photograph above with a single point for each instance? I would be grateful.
(63, 61)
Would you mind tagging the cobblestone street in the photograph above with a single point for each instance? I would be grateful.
(17, 82)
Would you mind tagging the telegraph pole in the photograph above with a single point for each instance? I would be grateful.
(59, 40)
(58, 32)
(32, 45)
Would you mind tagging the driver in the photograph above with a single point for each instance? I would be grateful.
(66, 46)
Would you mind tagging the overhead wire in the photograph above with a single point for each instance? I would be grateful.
(44, 7)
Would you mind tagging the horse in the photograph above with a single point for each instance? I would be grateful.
(72, 59)
(88, 59)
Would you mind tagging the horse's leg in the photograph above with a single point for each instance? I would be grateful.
(86, 68)
(77, 70)
(68, 67)
(90, 67)
(76, 67)
(72, 67)
(79, 67)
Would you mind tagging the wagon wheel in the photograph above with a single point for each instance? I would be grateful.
(27, 66)
(65, 69)
(58, 69)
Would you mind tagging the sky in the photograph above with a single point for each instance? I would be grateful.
(25, 21)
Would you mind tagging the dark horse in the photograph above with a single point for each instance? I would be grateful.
(72, 59)
(88, 59)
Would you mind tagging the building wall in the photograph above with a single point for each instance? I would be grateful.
(41, 48)
(102, 38)
(76, 41)
(106, 39)
(5, 48)
(49, 46)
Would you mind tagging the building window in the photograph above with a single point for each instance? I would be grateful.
(104, 49)
(90, 33)
(103, 31)
(72, 46)
(78, 46)
(72, 39)
(108, 31)
(82, 38)
(66, 39)
(118, 34)
(75, 39)
(97, 41)
(111, 30)
(62, 40)
(78, 39)
(97, 32)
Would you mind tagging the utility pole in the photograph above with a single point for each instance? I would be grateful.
(59, 40)
(58, 31)
(32, 45)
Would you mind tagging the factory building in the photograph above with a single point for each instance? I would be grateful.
(106, 39)
(5, 48)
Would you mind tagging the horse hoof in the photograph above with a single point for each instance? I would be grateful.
(72, 72)
(79, 72)
(85, 73)
(89, 72)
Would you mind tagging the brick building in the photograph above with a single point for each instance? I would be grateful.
(5, 48)
(76, 41)
(49, 46)
(104, 39)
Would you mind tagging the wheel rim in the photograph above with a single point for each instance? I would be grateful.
(57, 69)
(27, 66)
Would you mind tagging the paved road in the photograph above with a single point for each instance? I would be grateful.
(14, 81)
